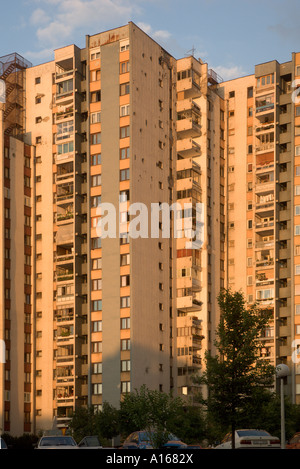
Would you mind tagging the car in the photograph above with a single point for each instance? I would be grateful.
(142, 440)
(91, 442)
(250, 439)
(3, 445)
(294, 442)
(57, 442)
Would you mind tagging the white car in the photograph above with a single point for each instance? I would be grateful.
(250, 439)
(57, 442)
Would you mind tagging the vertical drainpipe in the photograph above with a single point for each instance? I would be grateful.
(33, 279)
(2, 365)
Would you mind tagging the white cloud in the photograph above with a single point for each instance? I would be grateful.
(159, 35)
(230, 72)
(39, 16)
(67, 16)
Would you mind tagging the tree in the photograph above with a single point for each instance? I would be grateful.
(107, 422)
(151, 411)
(83, 423)
(236, 375)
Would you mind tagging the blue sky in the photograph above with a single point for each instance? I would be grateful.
(230, 35)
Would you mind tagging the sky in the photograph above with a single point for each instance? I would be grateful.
(232, 36)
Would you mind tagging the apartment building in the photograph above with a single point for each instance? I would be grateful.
(122, 123)
(103, 308)
(200, 176)
(262, 224)
(17, 231)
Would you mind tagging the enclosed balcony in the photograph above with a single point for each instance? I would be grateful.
(64, 212)
(64, 374)
(188, 124)
(65, 353)
(64, 314)
(64, 394)
(265, 106)
(64, 191)
(264, 259)
(65, 332)
(65, 171)
(64, 111)
(64, 272)
(188, 300)
(188, 81)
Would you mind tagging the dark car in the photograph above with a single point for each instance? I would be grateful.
(142, 440)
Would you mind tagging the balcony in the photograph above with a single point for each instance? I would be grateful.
(188, 148)
(188, 128)
(189, 83)
(189, 303)
(64, 191)
(265, 147)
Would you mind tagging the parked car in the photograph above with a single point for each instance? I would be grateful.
(250, 439)
(3, 445)
(142, 440)
(57, 442)
(91, 442)
(294, 442)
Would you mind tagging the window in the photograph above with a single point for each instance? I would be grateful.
(124, 174)
(125, 301)
(125, 259)
(297, 269)
(96, 201)
(125, 323)
(37, 80)
(96, 96)
(125, 344)
(96, 180)
(297, 150)
(125, 365)
(96, 159)
(96, 138)
(64, 130)
(124, 89)
(124, 110)
(97, 326)
(124, 131)
(297, 230)
(95, 75)
(124, 153)
(95, 117)
(297, 111)
(125, 280)
(231, 94)
(297, 190)
(65, 148)
(124, 45)
(38, 99)
(97, 368)
(125, 387)
(64, 87)
(297, 209)
(97, 284)
(97, 264)
(96, 347)
(97, 388)
(97, 305)
(96, 243)
(124, 67)
(95, 54)
(250, 92)
(38, 120)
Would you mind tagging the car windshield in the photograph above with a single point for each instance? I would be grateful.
(90, 441)
(57, 441)
(252, 433)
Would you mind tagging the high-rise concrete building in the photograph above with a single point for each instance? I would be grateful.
(102, 121)
(262, 202)
(122, 125)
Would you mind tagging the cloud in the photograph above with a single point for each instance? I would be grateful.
(161, 35)
(230, 72)
(39, 16)
(64, 17)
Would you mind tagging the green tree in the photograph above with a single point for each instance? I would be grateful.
(107, 422)
(83, 423)
(151, 411)
(236, 376)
